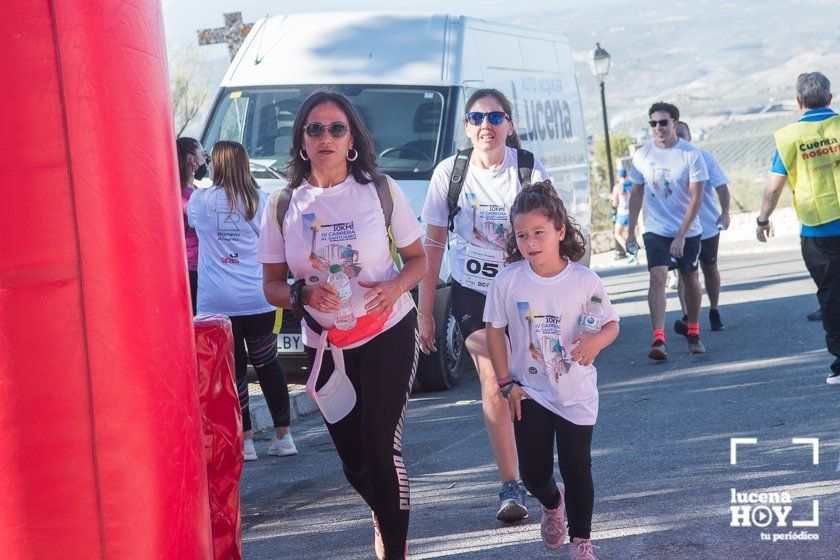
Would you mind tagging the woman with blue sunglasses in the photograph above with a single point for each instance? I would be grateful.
(481, 224)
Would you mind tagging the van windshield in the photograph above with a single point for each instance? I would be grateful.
(404, 122)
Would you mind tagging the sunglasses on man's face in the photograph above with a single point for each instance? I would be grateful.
(495, 117)
(336, 129)
(661, 122)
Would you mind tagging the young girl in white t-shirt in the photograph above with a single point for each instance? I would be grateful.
(548, 379)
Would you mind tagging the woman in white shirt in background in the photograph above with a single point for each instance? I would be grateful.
(481, 227)
(226, 218)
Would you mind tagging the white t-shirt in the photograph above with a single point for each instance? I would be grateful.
(483, 224)
(542, 316)
(343, 225)
(709, 212)
(665, 174)
(229, 276)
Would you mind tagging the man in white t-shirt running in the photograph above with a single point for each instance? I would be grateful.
(668, 175)
(713, 220)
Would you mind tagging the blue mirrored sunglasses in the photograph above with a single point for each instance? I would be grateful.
(495, 117)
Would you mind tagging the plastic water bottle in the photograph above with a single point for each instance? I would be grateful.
(633, 248)
(345, 319)
(590, 321)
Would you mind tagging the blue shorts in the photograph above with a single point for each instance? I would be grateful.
(622, 219)
(658, 249)
(709, 250)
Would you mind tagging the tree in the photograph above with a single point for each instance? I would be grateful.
(187, 85)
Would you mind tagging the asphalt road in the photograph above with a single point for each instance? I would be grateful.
(661, 451)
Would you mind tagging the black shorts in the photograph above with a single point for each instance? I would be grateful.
(467, 308)
(709, 250)
(658, 249)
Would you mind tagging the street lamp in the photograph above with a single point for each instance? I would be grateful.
(599, 63)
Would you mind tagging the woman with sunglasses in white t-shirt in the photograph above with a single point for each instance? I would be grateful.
(481, 226)
(330, 224)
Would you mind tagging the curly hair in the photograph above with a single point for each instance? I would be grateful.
(543, 196)
(363, 168)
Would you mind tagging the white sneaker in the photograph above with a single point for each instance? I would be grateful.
(282, 447)
(833, 379)
(250, 451)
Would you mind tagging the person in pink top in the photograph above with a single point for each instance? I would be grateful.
(193, 164)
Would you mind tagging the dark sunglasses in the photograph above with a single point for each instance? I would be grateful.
(336, 129)
(495, 117)
(661, 122)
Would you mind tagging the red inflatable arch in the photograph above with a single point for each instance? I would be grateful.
(100, 443)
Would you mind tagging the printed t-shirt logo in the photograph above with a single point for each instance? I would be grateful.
(490, 222)
(661, 181)
(545, 343)
(331, 244)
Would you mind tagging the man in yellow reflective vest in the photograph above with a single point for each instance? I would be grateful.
(808, 157)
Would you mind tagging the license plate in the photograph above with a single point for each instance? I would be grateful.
(289, 344)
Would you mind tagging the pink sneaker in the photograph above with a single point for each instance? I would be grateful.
(553, 524)
(581, 550)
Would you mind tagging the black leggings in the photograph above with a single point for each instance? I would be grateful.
(256, 332)
(369, 439)
(193, 275)
(535, 437)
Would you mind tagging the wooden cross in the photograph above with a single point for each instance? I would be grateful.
(233, 33)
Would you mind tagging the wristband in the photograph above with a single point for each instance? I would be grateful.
(507, 380)
(506, 391)
(761, 223)
(296, 298)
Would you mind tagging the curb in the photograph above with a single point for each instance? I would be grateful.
(300, 405)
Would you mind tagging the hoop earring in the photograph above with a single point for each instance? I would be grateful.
(355, 154)
(302, 154)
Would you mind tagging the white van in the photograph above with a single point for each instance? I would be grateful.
(409, 75)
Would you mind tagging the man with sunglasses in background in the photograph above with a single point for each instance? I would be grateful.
(668, 174)
(808, 157)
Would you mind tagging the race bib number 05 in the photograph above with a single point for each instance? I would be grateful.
(481, 266)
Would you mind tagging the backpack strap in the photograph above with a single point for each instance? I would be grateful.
(385, 191)
(281, 206)
(456, 183)
(525, 163)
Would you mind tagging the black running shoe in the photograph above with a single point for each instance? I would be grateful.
(815, 316)
(714, 320)
(681, 326)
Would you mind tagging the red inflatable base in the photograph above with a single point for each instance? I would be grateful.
(222, 425)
